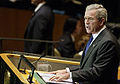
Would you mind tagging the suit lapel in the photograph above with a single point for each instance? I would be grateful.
(40, 8)
(31, 19)
(84, 58)
(91, 49)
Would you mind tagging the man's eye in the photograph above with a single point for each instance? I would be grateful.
(91, 18)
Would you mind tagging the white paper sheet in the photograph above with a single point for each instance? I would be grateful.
(47, 76)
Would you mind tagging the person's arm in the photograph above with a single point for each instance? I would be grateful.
(105, 56)
(104, 59)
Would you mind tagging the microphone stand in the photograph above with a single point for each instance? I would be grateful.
(43, 55)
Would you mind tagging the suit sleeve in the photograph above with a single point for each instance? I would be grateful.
(104, 57)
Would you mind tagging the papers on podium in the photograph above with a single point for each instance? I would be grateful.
(46, 77)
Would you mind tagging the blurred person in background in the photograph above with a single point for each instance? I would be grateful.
(72, 32)
(40, 27)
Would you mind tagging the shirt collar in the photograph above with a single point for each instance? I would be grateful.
(73, 38)
(96, 34)
(38, 6)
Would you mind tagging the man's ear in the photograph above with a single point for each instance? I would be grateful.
(102, 21)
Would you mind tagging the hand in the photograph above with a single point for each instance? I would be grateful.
(60, 77)
(58, 72)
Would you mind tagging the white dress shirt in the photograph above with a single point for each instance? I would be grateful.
(39, 5)
(96, 34)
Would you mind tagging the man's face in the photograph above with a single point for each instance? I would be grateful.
(92, 24)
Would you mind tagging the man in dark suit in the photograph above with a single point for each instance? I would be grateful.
(99, 65)
(40, 27)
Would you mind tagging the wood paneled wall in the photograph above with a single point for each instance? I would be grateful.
(13, 23)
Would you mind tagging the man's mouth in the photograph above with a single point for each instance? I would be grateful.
(87, 27)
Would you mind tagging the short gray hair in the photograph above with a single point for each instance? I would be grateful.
(101, 11)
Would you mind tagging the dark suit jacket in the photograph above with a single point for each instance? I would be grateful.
(40, 27)
(66, 46)
(100, 65)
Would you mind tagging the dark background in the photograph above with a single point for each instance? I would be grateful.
(68, 7)
(14, 17)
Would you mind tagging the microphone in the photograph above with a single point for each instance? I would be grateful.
(43, 55)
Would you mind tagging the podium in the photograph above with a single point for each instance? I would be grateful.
(9, 63)
(16, 76)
